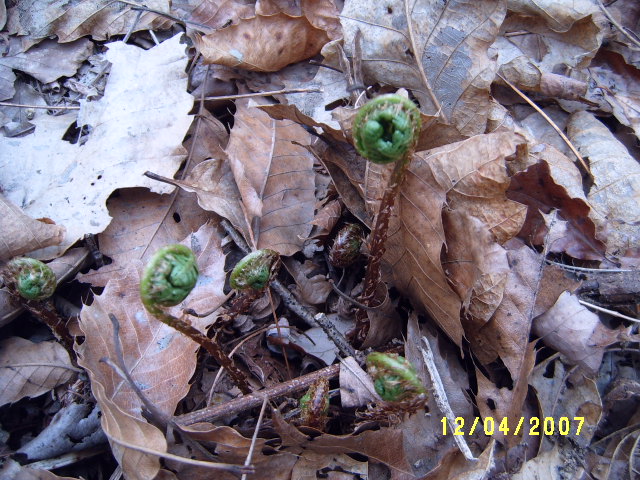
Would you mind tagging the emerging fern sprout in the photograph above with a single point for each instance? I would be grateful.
(385, 130)
(168, 278)
(394, 378)
(31, 278)
(346, 246)
(254, 272)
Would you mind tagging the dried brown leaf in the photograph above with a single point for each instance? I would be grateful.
(615, 195)
(262, 43)
(275, 179)
(311, 465)
(450, 40)
(559, 16)
(29, 369)
(160, 359)
(14, 471)
(473, 168)
(142, 222)
(22, 234)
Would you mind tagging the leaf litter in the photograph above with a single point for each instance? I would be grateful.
(515, 263)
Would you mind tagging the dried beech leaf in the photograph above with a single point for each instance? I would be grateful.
(14, 471)
(574, 331)
(22, 234)
(262, 43)
(131, 134)
(450, 40)
(615, 195)
(471, 168)
(320, 13)
(29, 369)
(559, 16)
(100, 19)
(160, 359)
(275, 178)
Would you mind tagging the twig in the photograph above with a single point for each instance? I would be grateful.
(341, 294)
(592, 270)
(440, 396)
(198, 463)
(45, 107)
(610, 312)
(143, 8)
(284, 91)
(255, 399)
(292, 304)
(617, 24)
(247, 462)
(551, 122)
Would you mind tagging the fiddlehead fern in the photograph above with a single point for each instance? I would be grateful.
(394, 378)
(255, 270)
(168, 278)
(166, 281)
(31, 278)
(386, 129)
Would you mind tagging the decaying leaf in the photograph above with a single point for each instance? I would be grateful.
(160, 359)
(262, 43)
(615, 194)
(449, 41)
(134, 130)
(274, 177)
(29, 369)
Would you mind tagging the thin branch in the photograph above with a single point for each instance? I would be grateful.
(610, 312)
(45, 107)
(584, 269)
(197, 463)
(440, 396)
(284, 91)
(423, 74)
(247, 462)
(255, 399)
(52, 365)
(341, 294)
(617, 24)
(551, 122)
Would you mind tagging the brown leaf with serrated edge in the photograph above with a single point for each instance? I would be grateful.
(262, 43)
(22, 234)
(275, 178)
(160, 359)
(471, 168)
(29, 369)
(450, 41)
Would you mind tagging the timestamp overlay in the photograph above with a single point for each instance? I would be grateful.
(547, 426)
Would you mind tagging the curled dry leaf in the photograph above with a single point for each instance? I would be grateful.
(576, 332)
(615, 195)
(160, 359)
(450, 41)
(275, 179)
(555, 183)
(29, 369)
(262, 43)
(22, 234)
